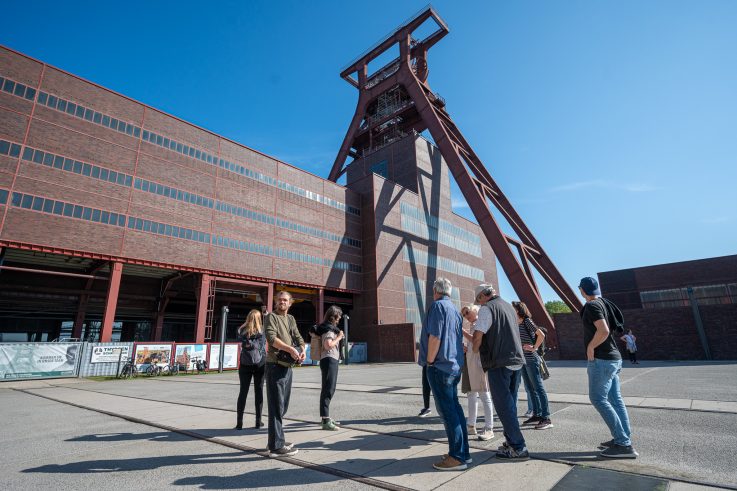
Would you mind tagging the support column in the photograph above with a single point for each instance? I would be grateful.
(202, 294)
(79, 319)
(270, 298)
(320, 310)
(158, 326)
(111, 302)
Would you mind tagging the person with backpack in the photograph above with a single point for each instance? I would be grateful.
(324, 344)
(253, 359)
(601, 321)
(532, 338)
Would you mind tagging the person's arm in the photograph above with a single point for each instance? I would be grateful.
(433, 331)
(477, 336)
(483, 324)
(602, 332)
(467, 335)
(433, 346)
(296, 336)
(623, 338)
(539, 338)
(330, 343)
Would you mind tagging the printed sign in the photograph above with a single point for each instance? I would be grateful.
(188, 354)
(147, 354)
(38, 360)
(230, 360)
(110, 354)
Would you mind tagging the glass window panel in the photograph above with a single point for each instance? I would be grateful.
(71, 107)
(104, 174)
(87, 213)
(88, 114)
(43, 98)
(37, 203)
(113, 176)
(48, 205)
(20, 90)
(129, 130)
(136, 131)
(77, 211)
(96, 215)
(5, 150)
(58, 208)
(9, 86)
(106, 120)
(128, 180)
(159, 140)
(38, 156)
(30, 93)
(52, 102)
(62, 105)
(68, 164)
(97, 117)
(86, 169)
(68, 209)
(79, 112)
(121, 220)
(77, 167)
(105, 217)
(146, 226)
(14, 150)
(121, 179)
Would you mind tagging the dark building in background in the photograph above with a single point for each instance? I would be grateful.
(683, 310)
(118, 221)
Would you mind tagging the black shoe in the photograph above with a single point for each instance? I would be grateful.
(239, 426)
(283, 452)
(424, 413)
(259, 425)
(512, 455)
(620, 452)
(532, 421)
(606, 444)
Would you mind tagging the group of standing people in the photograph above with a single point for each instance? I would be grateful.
(286, 347)
(499, 349)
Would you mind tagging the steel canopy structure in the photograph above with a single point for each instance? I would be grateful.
(396, 100)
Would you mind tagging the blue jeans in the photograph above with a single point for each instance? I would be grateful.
(530, 407)
(605, 395)
(445, 392)
(533, 380)
(504, 384)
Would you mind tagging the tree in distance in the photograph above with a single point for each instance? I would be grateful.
(556, 307)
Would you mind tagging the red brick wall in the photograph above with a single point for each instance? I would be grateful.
(662, 334)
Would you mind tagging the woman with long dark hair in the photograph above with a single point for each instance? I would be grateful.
(253, 358)
(532, 337)
(330, 336)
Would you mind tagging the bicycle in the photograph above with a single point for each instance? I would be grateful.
(200, 365)
(170, 369)
(129, 370)
(153, 370)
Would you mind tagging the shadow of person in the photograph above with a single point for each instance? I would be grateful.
(261, 478)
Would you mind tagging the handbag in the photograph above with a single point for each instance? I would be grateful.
(544, 372)
(284, 358)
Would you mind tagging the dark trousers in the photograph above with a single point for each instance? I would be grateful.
(504, 384)
(633, 356)
(245, 374)
(278, 389)
(329, 369)
(425, 389)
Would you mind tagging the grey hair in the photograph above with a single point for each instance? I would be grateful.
(442, 286)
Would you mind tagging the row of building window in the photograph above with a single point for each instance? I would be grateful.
(82, 112)
(441, 263)
(96, 172)
(415, 300)
(64, 163)
(678, 297)
(430, 227)
(17, 89)
(56, 207)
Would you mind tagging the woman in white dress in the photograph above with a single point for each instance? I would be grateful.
(478, 382)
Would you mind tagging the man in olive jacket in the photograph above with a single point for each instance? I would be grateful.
(281, 335)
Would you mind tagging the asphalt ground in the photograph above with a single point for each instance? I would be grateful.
(59, 446)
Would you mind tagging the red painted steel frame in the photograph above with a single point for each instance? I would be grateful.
(111, 302)
(472, 177)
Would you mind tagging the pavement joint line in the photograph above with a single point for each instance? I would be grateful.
(236, 446)
(639, 375)
(402, 435)
(380, 389)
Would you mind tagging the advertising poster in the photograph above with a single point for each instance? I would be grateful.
(188, 354)
(230, 360)
(39, 360)
(110, 354)
(147, 354)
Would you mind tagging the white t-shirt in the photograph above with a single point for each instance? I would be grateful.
(483, 322)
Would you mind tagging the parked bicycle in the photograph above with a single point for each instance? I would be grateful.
(200, 365)
(170, 369)
(152, 370)
(129, 370)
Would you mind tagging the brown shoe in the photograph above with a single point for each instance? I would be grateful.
(450, 464)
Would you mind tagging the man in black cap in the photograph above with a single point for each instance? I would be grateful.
(604, 365)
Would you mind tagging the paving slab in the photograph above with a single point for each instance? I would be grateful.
(532, 475)
(727, 407)
(658, 402)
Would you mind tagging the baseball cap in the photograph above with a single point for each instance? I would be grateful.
(590, 286)
(482, 287)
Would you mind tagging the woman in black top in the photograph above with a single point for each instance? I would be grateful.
(253, 358)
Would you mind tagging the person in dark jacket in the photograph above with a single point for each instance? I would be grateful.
(330, 337)
(253, 359)
(503, 359)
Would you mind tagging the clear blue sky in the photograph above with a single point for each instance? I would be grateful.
(611, 126)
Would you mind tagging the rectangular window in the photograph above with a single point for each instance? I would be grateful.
(113, 176)
(30, 93)
(167, 230)
(95, 215)
(38, 156)
(136, 131)
(144, 185)
(68, 209)
(95, 172)
(86, 169)
(62, 106)
(129, 130)
(159, 140)
(71, 107)
(43, 97)
(139, 223)
(9, 86)
(53, 101)
(166, 142)
(106, 121)
(121, 179)
(121, 220)
(49, 160)
(79, 112)
(37, 203)
(113, 124)
(146, 225)
(179, 147)
(77, 211)
(14, 150)
(68, 165)
(88, 114)
(19, 90)
(87, 213)
(5, 148)
(58, 208)
(128, 180)
(97, 118)
(104, 216)
(175, 231)
(77, 167)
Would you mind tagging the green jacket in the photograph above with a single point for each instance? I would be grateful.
(283, 327)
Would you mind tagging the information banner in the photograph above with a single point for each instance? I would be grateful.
(188, 354)
(157, 354)
(231, 356)
(39, 360)
(110, 354)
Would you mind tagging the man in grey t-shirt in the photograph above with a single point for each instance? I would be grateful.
(496, 326)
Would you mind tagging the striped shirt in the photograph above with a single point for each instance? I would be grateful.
(525, 328)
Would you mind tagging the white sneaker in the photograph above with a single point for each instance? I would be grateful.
(471, 430)
(528, 414)
(486, 434)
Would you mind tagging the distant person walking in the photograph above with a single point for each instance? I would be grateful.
(441, 351)
(604, 365)
(286, 347)
(478, 383)
(425, 411)
(253, 359)
(531, 338)
(496, 338)
(330, 336)
(631, 341)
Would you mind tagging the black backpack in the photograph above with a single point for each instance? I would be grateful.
(615, 318)
(253, 351)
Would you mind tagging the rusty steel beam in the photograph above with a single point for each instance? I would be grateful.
(428, 112)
